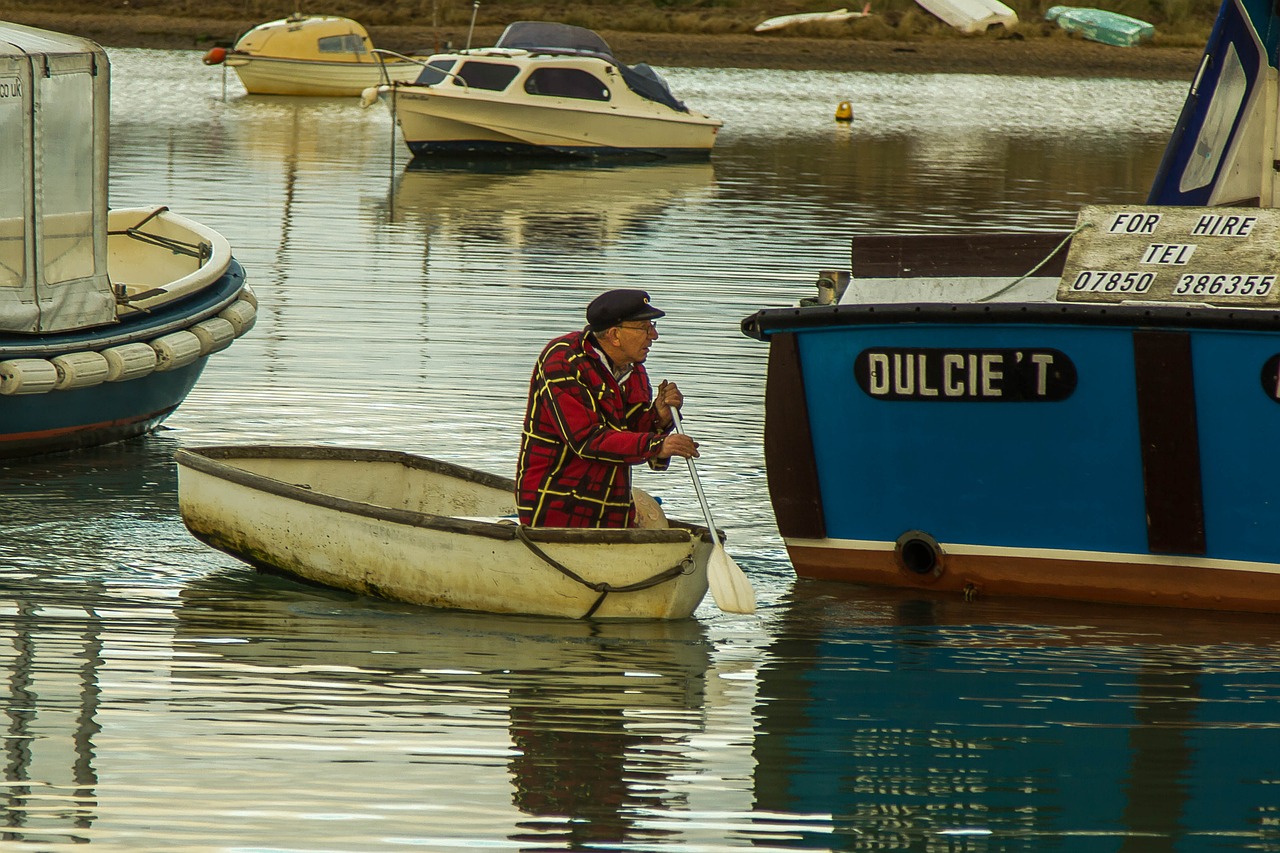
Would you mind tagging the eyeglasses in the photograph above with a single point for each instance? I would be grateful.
(646, 327)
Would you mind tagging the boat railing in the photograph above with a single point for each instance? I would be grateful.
(386, 78)
(380, 52)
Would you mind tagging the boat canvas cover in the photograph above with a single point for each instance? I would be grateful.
(53, 210)
(647, 83)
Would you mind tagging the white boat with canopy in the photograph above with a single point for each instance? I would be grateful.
(107, 318)
(544, 88)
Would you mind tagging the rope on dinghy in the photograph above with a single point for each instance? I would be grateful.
(602, 587)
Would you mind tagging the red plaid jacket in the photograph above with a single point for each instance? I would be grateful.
(582, 433)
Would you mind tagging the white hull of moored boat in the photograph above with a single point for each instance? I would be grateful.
(544, 88)
(441, 118)
(424, 532)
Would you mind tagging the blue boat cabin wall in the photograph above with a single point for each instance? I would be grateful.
(1138, 459)
(791, 471)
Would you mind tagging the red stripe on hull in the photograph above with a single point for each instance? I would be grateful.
(1052, 578)
(82, 435)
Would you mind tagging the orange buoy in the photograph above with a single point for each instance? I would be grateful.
(215, 56)
(844, 112)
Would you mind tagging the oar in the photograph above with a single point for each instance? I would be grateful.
(729, 585)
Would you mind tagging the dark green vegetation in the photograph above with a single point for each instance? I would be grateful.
(1178, 22)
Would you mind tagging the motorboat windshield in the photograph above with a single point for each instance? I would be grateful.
(540, 36)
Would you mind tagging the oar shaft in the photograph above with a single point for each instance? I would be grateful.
(697, 483)
(727, 582)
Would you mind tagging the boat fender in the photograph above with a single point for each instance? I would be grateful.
(79, 370)
(129, 361)
(175, 350)
(844, 112)
(369, 96)
(27, 376)
(214, 334)
(919, 554)
(216, 56)
(247, 294)
(241, 314)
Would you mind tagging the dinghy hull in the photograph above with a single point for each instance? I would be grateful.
(420, 531)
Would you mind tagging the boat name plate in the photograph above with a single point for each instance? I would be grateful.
(961, 375)
(1204, 255)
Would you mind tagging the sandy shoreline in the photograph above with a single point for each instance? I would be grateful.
(981, 55)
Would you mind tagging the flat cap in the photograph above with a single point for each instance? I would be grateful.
(620, 306)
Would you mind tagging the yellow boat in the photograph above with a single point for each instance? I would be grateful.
(311, 55)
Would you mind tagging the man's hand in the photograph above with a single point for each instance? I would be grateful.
(668, 395)
(678, 444)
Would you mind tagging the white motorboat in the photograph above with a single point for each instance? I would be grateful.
(544, 88)
(421, 531)
(310, 55)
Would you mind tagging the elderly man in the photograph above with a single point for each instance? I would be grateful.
(592, 415)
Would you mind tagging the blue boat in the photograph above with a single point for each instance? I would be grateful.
(107, 317)
(1084, 415)
(1101, 25)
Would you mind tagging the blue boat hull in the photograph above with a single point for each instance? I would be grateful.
(59, 420)
(70, 420)
(1097, 453)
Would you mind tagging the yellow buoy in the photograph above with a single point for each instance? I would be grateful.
(844, 112)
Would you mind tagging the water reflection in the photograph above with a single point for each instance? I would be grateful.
(543, 208)
(51, 653)
(921, 718)
(974, 181)
(596, 714)
(163, 696)
(313, 133)
(87, 539)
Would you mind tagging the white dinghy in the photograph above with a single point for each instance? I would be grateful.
(417, 530)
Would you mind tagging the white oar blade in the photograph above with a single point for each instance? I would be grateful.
(729, 585)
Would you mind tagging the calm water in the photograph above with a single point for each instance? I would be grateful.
(164, 697)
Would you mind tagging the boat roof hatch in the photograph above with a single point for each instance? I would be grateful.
(54, 101)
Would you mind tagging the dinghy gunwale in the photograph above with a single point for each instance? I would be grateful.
(212, 461)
